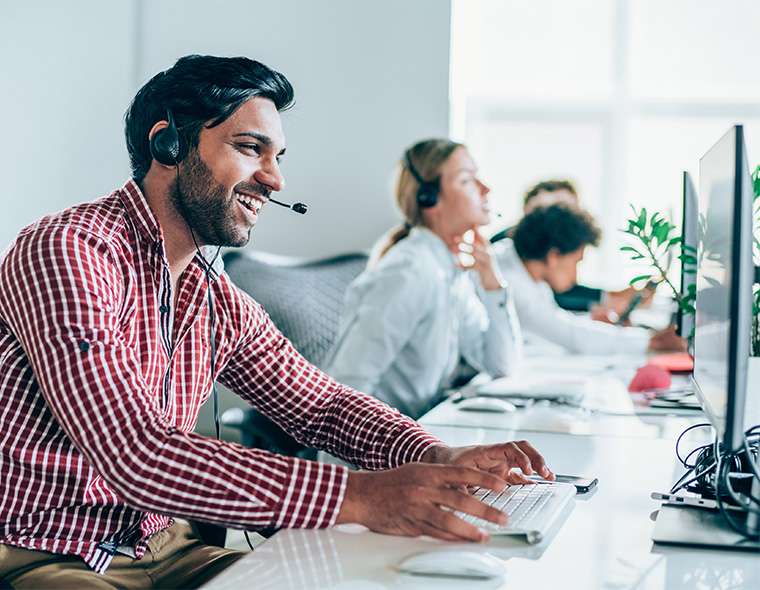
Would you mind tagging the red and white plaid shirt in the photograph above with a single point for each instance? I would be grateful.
(102, 377)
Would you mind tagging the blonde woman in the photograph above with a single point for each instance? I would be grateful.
(415, 311)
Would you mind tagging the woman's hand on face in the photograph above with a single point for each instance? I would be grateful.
(478, 255)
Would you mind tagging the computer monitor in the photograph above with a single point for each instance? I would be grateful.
(689, 237)
(725, 275)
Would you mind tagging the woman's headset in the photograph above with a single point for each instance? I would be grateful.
(427, 193)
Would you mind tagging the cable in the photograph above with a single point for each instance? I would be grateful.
(208, 270)
(680, 437)
(710, 475)
(703, 465)
(732, 522)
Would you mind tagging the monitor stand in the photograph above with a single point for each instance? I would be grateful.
(697, 527)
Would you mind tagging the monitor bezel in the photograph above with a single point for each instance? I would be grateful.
(688, 190)
(742, 277)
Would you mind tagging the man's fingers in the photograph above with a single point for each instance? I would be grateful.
(469, 504)
(428, 529)
(455, 475)
(446, 521)
(536, 459)
(517, 478)
(516, 457)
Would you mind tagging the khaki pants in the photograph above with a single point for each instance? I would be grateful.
(176, 558)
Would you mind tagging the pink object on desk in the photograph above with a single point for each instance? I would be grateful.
(675, 362)
(649, 377)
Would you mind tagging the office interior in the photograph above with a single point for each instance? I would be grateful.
(620, 96)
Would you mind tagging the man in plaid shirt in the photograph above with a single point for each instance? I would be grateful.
(109, 343)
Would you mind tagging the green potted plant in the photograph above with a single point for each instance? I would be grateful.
(656, 241)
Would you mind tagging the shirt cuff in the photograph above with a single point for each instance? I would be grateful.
(411, 445)
(313, 495)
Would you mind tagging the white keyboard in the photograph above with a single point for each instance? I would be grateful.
(570, 389)
(531, 509)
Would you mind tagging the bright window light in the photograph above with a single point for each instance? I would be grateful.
(619, 96)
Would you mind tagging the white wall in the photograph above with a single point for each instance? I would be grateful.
(66, 77)
(370, 77)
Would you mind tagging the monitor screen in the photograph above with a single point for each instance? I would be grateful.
(689, 226)
(724, 285)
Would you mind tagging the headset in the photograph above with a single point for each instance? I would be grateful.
(427, 193)
(166, 145)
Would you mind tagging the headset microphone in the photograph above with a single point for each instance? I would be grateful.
(301, 208)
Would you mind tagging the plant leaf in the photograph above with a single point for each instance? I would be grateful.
(641, 222)
(630, 249)
(639, 278)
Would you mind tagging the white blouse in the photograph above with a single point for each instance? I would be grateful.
(407, 321)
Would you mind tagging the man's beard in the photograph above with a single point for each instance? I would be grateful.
(206, 205)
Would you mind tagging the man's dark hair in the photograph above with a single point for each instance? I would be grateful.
(200, 90)
(549, 186)
(560, 226)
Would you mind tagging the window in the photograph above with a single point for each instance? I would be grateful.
(619, 96)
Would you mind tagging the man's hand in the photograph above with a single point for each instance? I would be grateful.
(667, 340)
(618, 301)
(607, 315)
(418, 499)
(499, 459)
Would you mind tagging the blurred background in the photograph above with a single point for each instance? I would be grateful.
(618, 95)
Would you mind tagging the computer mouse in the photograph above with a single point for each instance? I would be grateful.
(453, 563)
(486, 404)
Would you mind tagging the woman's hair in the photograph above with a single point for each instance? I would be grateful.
(427, 157)
(200, 90)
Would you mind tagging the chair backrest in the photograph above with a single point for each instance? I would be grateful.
(304, 298)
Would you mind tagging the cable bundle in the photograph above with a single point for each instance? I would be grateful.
(708, 473)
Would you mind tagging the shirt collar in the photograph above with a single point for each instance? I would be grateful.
(436, 246)
(146, 223)
(505, 251)
(139, 211)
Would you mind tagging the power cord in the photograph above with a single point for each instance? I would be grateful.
(749, 503)
(708, 473)
(696, 477)
(208, 271)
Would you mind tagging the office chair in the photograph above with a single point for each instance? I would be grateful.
(304, 298)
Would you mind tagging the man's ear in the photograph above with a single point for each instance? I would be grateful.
(157, 126)
(552, 258)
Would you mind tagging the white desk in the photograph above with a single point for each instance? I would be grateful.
(608, 407)
(603, 543)
(542, 417)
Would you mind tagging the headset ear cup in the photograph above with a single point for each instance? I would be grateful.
(166, 145)
(427, 195)
(163, 151)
